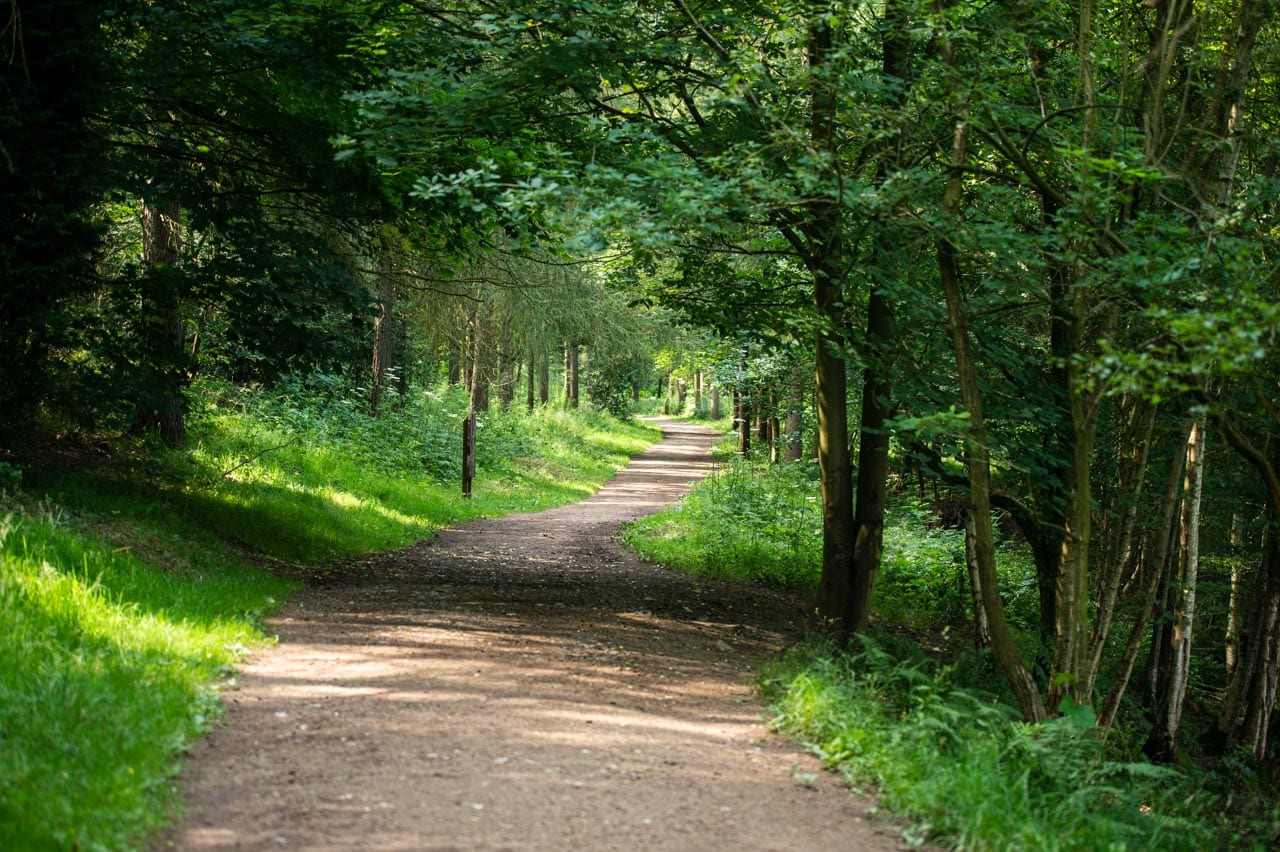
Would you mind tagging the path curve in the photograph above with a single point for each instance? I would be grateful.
(520, 683)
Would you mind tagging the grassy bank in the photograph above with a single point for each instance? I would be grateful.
(128, 586)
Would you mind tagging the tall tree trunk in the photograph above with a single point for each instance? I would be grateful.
(1162, 744)
(872, 484)
(1118, 537)
(981, 627)
(384, 326)
(530, 389)
(976, 449)
(1249, 703)
(544, 379)
(161, 250)
(795, 411)
(823, 240)
(571, 384)
(853, 529)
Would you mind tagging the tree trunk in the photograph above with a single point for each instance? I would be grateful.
(793, 430)
(715, 403)
(981, 627)
(544, 379)
(530, 397)
(871, 488)
(162, 320)
(977, 452)
(468, 450)
(1250, 699)
(1117, 545)
(571, 363)
(1162, 744)
(383, 326)
(1154, 561)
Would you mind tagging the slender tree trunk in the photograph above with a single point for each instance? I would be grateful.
(1118, 540)
(384, 326)
(976, 450)
(468, 450)
(1155, 561)
(1249, 703)
(1232, 650)
(530, 397)
(571, 375)
(479, 401)
(544, 379)
(1162, 744)
(794, 423)
(981, 627)
(715, 403)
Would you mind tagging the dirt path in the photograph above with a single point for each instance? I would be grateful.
(520, 683)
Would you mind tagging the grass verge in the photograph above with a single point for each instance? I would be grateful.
(111, 666)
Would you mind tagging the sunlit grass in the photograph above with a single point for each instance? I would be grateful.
(108, 666)
(321, 498)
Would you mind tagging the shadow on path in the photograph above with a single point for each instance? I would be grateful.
(520, 683)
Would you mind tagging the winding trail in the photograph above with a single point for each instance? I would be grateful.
(520, 683)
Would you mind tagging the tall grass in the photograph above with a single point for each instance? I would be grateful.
(741, 523)
(764, 523)
(109, 666)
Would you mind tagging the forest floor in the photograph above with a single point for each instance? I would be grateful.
(521, 683)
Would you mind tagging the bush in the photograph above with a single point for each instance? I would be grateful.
(741, 522)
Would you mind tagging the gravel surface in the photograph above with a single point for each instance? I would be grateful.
(520, 683)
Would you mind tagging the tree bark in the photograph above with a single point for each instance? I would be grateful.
(837, 608)
(571, 361)
(544, 379)
(981, 627)
(1117, 545)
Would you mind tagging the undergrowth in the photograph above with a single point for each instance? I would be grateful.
(764, 523)
(304, 474)
(969, 773)
(743, 524)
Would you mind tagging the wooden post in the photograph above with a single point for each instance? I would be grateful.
(468, 451)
